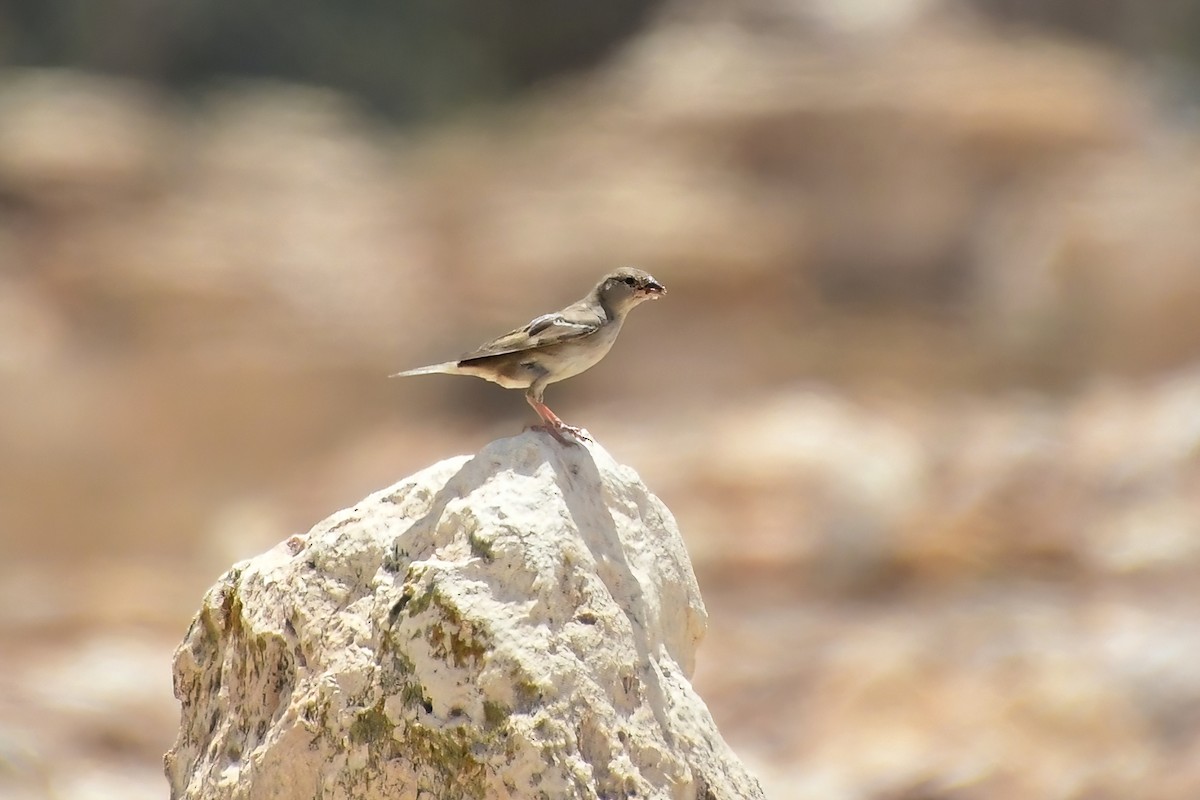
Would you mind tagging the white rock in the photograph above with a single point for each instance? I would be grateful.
(521, 624)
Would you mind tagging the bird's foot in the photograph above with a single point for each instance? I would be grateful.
(567, 434)
(579, 434)
(555, 426)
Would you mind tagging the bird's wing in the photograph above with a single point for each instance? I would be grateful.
(571, 323)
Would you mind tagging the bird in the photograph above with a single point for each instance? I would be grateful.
(556, 346)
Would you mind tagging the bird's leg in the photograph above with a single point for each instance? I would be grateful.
(554, 424)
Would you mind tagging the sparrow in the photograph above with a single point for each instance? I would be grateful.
(556, 346)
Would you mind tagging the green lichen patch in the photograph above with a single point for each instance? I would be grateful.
(231, 611)
(448, 758)
(413, 695)
(452, 637)
(460, 645)
(448, 762)
(494, 714)
(419, 603)
(371, 726)
(482, 547)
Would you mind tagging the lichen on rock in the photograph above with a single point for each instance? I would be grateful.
(518, 624)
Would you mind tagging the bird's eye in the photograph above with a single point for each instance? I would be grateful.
(628, 281)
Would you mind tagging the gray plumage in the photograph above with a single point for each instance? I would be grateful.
(556, 346)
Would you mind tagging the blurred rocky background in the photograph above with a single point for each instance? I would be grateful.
(924, 396)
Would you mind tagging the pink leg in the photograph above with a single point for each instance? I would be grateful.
(554, 424)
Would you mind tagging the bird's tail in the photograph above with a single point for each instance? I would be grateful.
(448, 367)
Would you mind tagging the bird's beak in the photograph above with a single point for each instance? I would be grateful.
(653, 289)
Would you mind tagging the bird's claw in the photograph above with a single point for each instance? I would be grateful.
(578, 433)
(562, 431)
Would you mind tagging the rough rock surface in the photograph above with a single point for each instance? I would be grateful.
(520, 624)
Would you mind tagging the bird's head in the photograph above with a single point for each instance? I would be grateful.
(622, 289)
